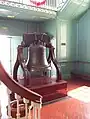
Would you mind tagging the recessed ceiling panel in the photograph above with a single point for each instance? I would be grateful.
(25, 14)
(74, 8)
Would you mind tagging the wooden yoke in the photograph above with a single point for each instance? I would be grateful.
(21, 62)
(51, 57)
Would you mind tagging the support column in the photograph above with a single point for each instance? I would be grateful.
(26, 107)
(17, 97)
(9, 107)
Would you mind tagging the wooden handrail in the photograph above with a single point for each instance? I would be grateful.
(17, 88)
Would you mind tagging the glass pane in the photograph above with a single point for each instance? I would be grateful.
(63, 51)
(63, 39)
(5, 52)
(63, 32)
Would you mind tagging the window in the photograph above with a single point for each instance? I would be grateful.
(63, 38)
(8, 51)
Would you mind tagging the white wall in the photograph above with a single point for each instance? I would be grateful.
(11, 33)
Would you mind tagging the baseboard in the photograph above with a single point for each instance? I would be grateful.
(83, 76)
(66, 76)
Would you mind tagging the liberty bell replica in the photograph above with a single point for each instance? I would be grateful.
(37, 67)
(37, 64)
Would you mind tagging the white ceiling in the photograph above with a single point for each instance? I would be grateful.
(74, 8)
(71, 10)
(25, 12)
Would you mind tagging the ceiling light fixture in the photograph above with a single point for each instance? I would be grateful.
(3, 28)
(11, 16)
(4, 10)
(44, 17)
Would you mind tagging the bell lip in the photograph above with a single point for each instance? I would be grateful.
(41, 68)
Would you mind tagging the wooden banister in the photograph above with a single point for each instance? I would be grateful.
(17, 88)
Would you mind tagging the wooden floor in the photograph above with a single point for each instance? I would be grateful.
(66, 108)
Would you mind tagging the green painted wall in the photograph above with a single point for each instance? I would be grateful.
(53, 27)
(50, 27)
(84, 42)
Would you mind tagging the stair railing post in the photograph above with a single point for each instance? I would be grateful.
(36, 109)
(17, 97)
(9, 106)
(26, 107)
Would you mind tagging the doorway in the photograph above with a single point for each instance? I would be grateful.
(8, 54)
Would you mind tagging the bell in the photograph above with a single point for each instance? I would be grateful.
(37, 64)
(37, 67)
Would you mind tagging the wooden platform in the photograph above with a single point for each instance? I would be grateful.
(51, 91)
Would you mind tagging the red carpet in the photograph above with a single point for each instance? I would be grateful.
(68, 108)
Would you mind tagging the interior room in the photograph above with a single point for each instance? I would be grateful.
(60, 29)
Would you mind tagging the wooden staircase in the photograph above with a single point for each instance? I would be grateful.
(31, 97)
(12, 85)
